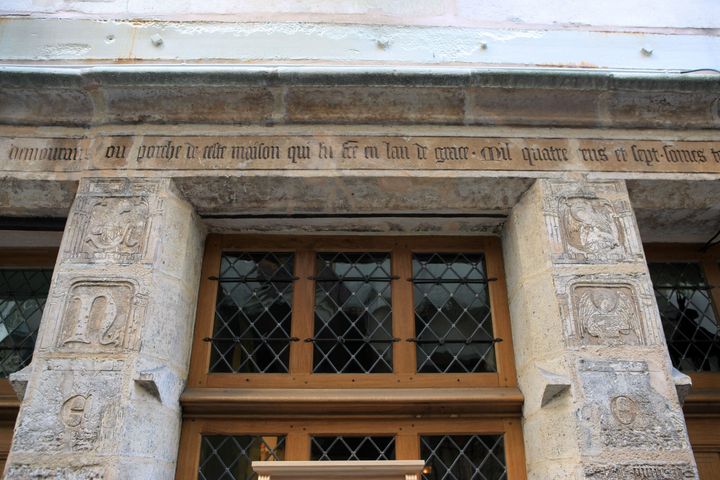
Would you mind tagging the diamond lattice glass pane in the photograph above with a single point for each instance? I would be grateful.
(353, 317)
(353, 448)
(230, 457)
(463, 457)
(22, 298)
(252, 314)
(688, 318)
(453, 323)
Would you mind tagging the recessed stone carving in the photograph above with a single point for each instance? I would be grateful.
(101, 316)
(621, 410)
(606, 314)
(590, 223)
(641, 471)
(607, 310)
(113, 221)
(73, 410)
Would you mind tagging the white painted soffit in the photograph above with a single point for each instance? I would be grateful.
(85, 40)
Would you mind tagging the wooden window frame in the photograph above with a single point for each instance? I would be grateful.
(302, 323)
(407, 432)
(40, 258)
(709, 262)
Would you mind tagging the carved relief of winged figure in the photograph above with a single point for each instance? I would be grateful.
(590, 226)
(606, 313)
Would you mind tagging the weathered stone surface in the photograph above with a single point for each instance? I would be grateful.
(582, 307)
(114, 344)
(391, 104)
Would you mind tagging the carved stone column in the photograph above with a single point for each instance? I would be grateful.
(600, 399)
(101, 400)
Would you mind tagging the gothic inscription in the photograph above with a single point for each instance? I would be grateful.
(99, 316)
(648, 471)
(330, 152)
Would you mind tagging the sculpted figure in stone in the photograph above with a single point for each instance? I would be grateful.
(117, 226)
(606, 313)
(590, 227)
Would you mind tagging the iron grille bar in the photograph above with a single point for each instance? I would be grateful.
(242, 339)
(438, 281)
(353, 279)
(442, 341)
(253, 279)
(351, 340)
(686, 287)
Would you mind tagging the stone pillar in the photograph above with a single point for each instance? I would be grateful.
(600, 399)
(101, 395)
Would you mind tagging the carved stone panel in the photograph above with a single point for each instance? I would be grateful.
(100, 316)
(75, 410)
(37, 471)
(621, 410)
(607, 310)
(641, 471)
(590, 223)
(112, 222)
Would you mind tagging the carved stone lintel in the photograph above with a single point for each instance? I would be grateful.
(683, 384)
(555, 385)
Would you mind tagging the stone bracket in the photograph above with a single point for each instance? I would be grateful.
(160, 383)
(555, 385)
(19, 381)
(683, 384)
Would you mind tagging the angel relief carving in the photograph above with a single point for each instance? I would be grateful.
(607, 315)
(590, 227)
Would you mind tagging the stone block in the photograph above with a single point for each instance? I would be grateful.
(173, 104)
(387, 104)
(46, 106)
(516, 106)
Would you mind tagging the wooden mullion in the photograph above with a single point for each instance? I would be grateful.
(514, 450)
(297, 446)
(403, 313)
(189, 458)
(500, 311)
(303, 313)
(711, 269)
(205, 316)
(407, 446)
(32, 257)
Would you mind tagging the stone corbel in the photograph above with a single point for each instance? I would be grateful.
(161, 383)
(683, 384)
(555, 385)
(19, 381)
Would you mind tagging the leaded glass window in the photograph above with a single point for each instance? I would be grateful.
(453, 321)
(225, 457)
(353, 314)
(353, 448)
(688, 317)
(23, 293)
(253, 313)
(463, 457)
